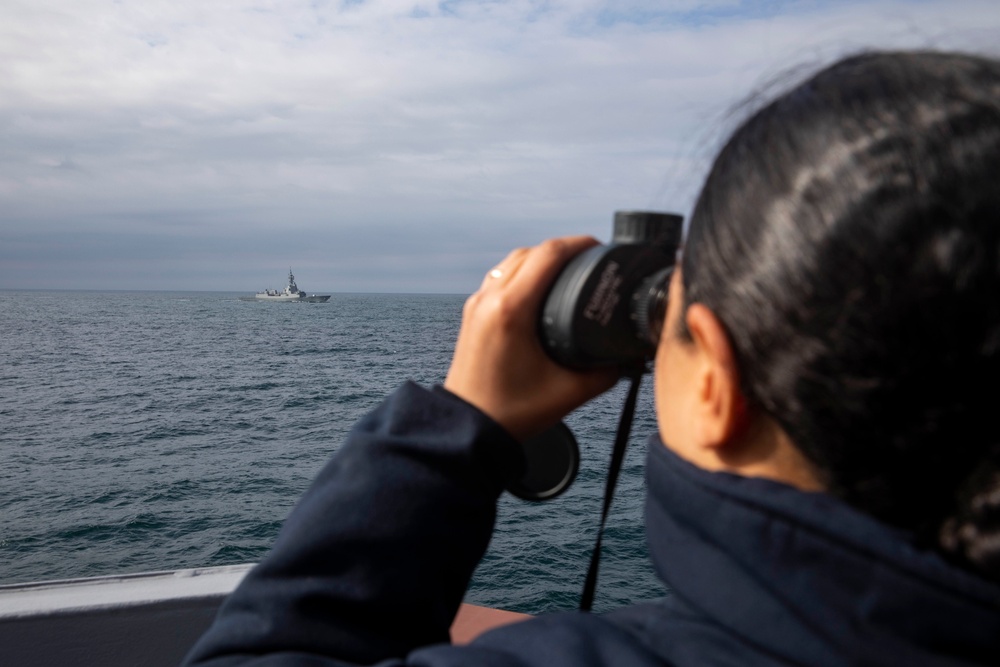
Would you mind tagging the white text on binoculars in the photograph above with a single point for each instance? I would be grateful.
(602, 303)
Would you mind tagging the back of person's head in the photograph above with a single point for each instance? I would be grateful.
(848, 237)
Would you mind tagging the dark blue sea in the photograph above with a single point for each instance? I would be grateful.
(145, 431)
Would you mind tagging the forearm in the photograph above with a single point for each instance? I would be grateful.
(375, 559)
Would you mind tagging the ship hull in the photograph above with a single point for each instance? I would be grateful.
(313, 298)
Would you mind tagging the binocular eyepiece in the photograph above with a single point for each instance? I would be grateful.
(606, 308)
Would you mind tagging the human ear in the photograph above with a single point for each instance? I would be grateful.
(719, 402)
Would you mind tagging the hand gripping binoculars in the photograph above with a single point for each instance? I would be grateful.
(604, 310)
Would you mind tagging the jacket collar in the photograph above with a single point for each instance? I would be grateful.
(806, 575)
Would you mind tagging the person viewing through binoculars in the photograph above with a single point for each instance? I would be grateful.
(824, 485)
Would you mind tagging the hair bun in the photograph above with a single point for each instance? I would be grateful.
(973, 534)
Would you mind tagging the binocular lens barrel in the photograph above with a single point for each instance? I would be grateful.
(606, 307)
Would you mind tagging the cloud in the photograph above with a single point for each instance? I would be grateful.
(386, 143)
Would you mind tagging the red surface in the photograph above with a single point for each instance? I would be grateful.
(472, 621)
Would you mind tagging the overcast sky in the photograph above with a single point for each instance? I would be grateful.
(380, 145)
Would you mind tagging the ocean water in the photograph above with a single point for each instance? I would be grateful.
(146, 431)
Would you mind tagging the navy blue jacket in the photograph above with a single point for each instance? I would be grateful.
(373, 563)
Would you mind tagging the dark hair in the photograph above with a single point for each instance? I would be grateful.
(848, 237)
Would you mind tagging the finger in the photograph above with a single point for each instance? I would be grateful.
(544, 262)
(510, 266)
(505, 270)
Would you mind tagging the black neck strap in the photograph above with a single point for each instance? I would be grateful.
(617, 456)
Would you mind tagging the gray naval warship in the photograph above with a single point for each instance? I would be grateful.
(290, 293)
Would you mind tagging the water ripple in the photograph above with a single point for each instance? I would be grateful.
(150, 431)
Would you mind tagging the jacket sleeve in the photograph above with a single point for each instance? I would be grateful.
(375, 559)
